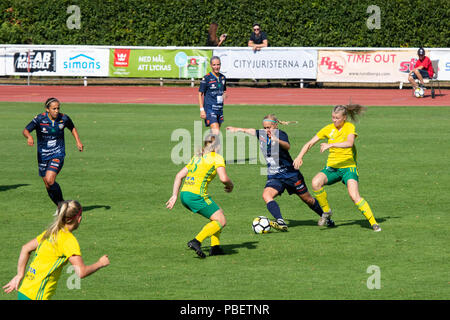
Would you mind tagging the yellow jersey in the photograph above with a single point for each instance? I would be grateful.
(41, 278)
(202, 170)
(339, 157)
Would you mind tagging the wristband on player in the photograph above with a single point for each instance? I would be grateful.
(202, 109)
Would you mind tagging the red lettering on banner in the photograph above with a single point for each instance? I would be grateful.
(332, 65)
(121, 57)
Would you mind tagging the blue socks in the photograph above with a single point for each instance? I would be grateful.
(274, 209)
(55, 193)
(316, 207)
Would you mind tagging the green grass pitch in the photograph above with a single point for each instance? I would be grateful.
(125, 175)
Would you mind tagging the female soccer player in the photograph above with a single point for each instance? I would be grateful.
(211, 95)
(341, 164)
(49, 127)
(197, 175)
(274, 144)
(53, 248)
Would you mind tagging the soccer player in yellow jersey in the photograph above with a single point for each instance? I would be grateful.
(53, 248)
(200, 171)
(341, 164)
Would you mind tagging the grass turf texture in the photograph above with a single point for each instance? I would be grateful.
(125, 175)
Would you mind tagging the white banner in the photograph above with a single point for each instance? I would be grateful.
(82, 62)
(48, 61)
(268, 63)
(31, 60)
(2, 62)
(443, 61)
(365, 66)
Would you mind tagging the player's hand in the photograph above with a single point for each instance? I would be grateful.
(203, 114)
(324, 147)
(13, 284)
(171, 202)
(80, 146)
(298, 162)
(104, 261)
(229, 187)
(30, 141)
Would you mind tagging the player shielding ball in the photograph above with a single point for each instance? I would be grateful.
(341, 164)
(282, 176)
(51, 149)
(52, 249)
(197, 175)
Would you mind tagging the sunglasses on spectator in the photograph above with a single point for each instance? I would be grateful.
(256, 29)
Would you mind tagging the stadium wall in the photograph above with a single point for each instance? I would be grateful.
(341, 65)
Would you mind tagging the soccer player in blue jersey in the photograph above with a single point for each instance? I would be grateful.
(211, 95)
(49, 127)
(281, 174)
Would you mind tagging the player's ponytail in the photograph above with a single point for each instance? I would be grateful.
(353, 110)
(210, 144)
(273, 118)
(66, 213)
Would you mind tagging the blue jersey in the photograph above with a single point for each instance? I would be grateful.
(279, 161)
(50, 135)
(213, 89)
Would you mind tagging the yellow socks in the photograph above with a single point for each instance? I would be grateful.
(321, 196)
(215, 238)
(364, 207)
(209, 230)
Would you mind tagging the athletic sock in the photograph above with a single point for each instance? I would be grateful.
(208, 230)
(215, 238)
(364, 207)
(55, 193)
(316, 207)
(321, 197)
(274, 209)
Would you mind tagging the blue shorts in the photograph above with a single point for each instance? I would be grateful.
(54, 164)
(213, 117)
(424, 74)
(293, 185)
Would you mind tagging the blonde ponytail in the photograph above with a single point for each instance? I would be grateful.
(65, 214)
(211, 143)
(353, 110)
(273, 118)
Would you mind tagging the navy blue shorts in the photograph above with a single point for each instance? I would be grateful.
(54, 164)
(424, 74)
(293, 185)
(213, 118)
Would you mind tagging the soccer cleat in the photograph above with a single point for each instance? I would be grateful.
(330, 223)
(216, 251)
(324, 218)
(376, 227)
(279, 225)
(195, 245)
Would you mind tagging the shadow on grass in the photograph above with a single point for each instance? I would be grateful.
(363, 223)
(12, 186)
(89, 208)
(232, 248)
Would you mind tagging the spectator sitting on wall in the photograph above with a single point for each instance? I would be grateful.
(423, 69)
(213, 41)
(258, 38)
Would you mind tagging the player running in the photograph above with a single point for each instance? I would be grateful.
(341, 164)
(211, 96)
(197, 175)
(49, 127)
(274, 144)
(53, 249)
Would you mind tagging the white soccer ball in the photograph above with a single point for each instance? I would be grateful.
(419, 92)
(261, 224)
